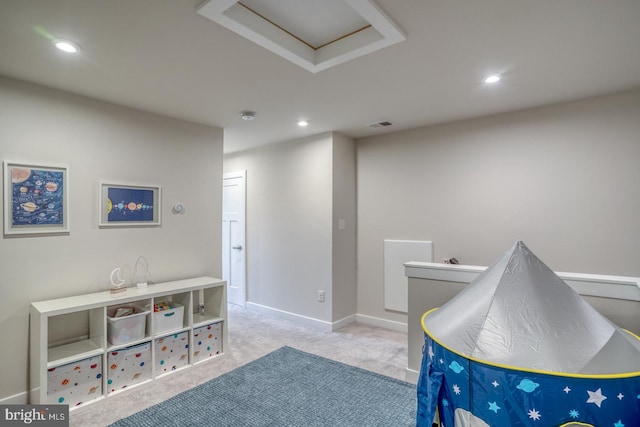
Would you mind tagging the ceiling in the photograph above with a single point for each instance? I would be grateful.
(164, 57)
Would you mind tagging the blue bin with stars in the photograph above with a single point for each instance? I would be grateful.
(468, 392)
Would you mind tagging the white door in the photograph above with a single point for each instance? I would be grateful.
(233, 236)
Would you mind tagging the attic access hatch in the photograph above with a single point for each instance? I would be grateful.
(313, 35)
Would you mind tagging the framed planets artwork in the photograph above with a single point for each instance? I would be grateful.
(123, 205)
(36, 199)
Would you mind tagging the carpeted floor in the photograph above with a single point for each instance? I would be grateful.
(252, 335)
(287, 387)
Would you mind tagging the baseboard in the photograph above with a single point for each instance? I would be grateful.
(16, 399)
(343, 322)
(382, 323)
(325, 326)
(411, 376)
(320, 325)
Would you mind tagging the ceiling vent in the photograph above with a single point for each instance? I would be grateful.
(312, 34)
(380, 124)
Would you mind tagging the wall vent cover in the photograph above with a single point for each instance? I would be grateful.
(380, 124)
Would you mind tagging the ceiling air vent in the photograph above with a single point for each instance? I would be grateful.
(380, 124)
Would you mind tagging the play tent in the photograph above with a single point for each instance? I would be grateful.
(519, 347)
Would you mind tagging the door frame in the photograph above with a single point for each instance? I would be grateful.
(243, 214)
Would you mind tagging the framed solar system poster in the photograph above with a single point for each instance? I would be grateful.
(123, 205)
(36, 199)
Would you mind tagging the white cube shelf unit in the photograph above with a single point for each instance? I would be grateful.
(72, 361)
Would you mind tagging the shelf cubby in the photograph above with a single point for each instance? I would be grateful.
(69, 337)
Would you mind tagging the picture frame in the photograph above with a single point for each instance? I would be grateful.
(127, 205)
(36, 198)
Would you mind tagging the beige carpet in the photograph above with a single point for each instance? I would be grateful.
(252, 335)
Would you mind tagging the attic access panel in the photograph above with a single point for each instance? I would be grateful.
(313, 35)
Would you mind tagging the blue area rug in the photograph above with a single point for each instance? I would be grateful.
(288, 387)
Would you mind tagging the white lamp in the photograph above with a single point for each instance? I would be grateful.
(141, 279)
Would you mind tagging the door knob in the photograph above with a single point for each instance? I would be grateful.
(237, 247)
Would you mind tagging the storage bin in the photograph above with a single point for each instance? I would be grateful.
(168, 320)
(172, 352)
(128, 366)
(126, 329)
(207, 341)
(75, 383)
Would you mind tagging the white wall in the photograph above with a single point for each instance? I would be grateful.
(289, 220)
(344, 239)
(297, 191)
(564, 179)
(102, 141)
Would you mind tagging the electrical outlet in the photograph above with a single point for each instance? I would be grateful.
(320, 296)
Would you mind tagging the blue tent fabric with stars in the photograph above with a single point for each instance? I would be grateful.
(502, 396)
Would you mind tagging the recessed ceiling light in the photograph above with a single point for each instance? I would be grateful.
(494, 78)
(66, 46)
(302, 123)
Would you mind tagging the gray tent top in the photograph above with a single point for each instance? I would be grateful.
(521, 314)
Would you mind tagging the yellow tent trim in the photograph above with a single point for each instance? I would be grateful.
(535, 371)
(575, 423)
